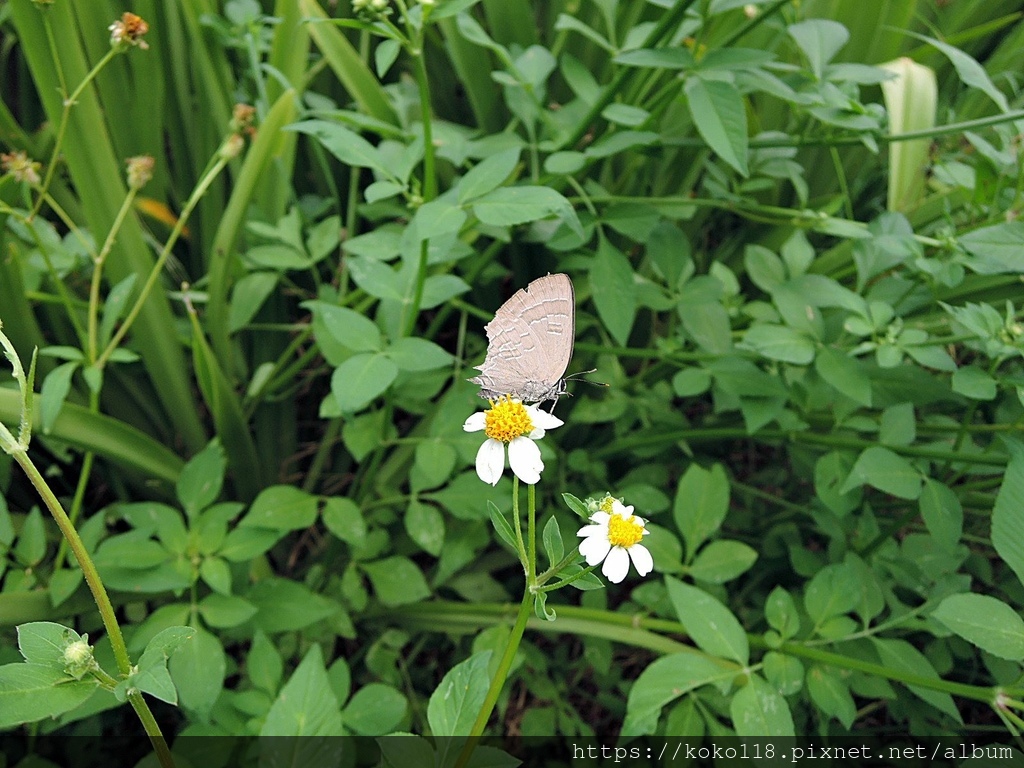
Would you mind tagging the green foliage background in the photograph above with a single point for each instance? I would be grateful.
(815, 382)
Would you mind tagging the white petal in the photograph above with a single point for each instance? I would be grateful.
(601, 518)
(543, 419)
(641, 558)
(536, 434)
(490, 461)
(646, 532)
(593, 530)
(594, 549)
(616, 565)
(524, 458)
(476, 422)
(638, 520)
(619, 508)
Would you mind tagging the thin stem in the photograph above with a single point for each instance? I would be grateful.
(154, 274)
(92, 576)
(97, 274)
(499, 679)
(531, 535)
(69, 102)
(518, 526)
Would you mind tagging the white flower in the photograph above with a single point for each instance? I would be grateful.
(614, 536)
(510, 422)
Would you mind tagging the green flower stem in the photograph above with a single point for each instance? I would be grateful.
(566, 581)
(531, 537)
(69, 102)
(643, 632)
(831, 441)
(99, 593)
(504, 666)
(154, 274)
(543, 578)
(92, 576)
(97, 274)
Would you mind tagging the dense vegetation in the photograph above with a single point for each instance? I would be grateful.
(793, 234)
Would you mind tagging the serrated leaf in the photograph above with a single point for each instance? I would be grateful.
(455, 703)
(722, 561)
(757, 709)
(844, 373)
(885, 470)
(487, 175)
(611, 281)
(664, 681)
(702, 499)
(361, 379)
(710, 624)
(306, 705)
(986, 622)
(718, 112)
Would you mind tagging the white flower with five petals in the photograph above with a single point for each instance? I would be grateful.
(509, 422)
(614, 536)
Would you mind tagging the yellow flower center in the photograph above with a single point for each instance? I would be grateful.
(624, 531)
(506, 420)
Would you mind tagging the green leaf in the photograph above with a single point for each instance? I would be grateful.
(374, 710)
(397, 580)
(344, 519)
(902, 656)
(54, 392)
(152, 676)
(576, 505)
(263, 664)
(664, 681)
(1008, 514)
(942, 513)
(986, 622)
(820, 40)
(197, 669)
(282, 508)
(44, 642)
(970, 381)
(31, 546)
(658, 58)
(348, 146)
(510, 206)
(455, 703)
(114, 306)
(779, 342)
(31, 692)
(722, 561)
(611, 281)
(844, 373)
(306, 705)
(702, 499)
(488, 175)
(833, 591)
(286, 606)
(438, 218)
(781, 613)
(361, 379)
(413, 354)
(502, 526)
(552, 537)
(347, 327)
(996, 249)
(710, 624)
(783, 672)
(223, 611)
(718, 112)
(200, 481)
(885, 470)
(831, 695)
(425, 526)
(969, 71)
(757, 709)
(248, 295)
